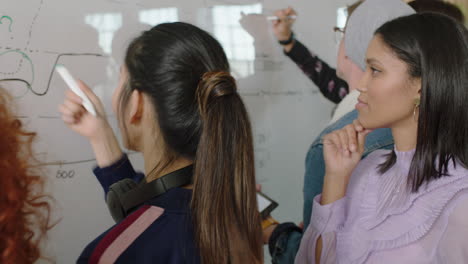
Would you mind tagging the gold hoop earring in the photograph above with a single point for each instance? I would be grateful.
(417, 101)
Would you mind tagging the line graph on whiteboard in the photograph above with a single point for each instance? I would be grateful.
(32, 42)
(27, 73)
(17, 64)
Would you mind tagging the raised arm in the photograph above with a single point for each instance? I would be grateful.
(112, 164)
(343, 150)
(324, 76)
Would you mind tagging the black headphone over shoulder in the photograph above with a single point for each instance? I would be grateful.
(124, 196)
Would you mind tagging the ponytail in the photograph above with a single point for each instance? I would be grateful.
(203, 120)
(224, 206)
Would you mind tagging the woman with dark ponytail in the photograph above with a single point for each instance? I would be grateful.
(178, 105)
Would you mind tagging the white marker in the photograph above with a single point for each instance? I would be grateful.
(272, 18)
(71, 82)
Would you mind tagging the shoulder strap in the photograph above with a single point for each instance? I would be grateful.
(119, 238)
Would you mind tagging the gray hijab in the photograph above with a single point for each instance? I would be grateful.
(365, 20)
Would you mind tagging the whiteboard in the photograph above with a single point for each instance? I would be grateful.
(90, 36)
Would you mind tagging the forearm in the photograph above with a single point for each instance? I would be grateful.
(106, 148)
(319, 72)
(333, 190)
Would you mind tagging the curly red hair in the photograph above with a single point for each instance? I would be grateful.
(24, 209)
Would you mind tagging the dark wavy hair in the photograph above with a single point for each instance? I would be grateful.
(202, 117)
(435, 49)
(25, 210)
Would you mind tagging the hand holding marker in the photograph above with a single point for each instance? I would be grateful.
(71, 82)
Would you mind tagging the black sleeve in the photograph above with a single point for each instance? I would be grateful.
(119, 170)
(281, 229)
(324, 76)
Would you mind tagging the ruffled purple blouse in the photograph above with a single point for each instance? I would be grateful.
(380, 221)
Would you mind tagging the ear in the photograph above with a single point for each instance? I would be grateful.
(417, 86)
(136, 107)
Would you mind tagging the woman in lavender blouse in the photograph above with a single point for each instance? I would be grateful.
(409, 205)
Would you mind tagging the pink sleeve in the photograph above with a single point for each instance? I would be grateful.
(453, 246)
(325, 220)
